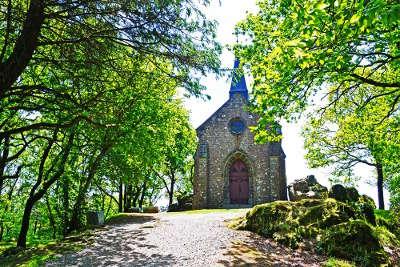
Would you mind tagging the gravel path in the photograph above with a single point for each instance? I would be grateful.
(184, 240)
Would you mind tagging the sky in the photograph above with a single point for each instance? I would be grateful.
(227, 13)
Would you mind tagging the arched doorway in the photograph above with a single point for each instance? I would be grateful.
(238, 182)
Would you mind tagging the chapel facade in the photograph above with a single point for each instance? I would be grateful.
(231, 170)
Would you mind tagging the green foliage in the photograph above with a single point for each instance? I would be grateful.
(388, 220)
(394, 189)
(298, 50)
(89, 109)
(340, 63)
(333, 262)
(39, 254)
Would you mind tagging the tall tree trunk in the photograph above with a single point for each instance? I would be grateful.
(381, 202)
(65, 203)
(75, 222)
(125, 197)
(128, 197)
(120, 196)
(1, 231)
(3, 160)
(24, 47)
(51, 217)
(35, 196)
(171, 189)
(25, 221)
(144, 189)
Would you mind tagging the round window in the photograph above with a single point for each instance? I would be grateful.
(237, 126)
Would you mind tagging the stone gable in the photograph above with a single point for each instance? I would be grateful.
(263, 176)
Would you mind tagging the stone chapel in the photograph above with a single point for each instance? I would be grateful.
(230, 169)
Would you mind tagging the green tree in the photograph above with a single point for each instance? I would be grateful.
(345, 135)
(178, 151)
(298, 49)
(57, 35)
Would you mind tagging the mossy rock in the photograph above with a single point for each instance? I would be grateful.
(389, 220)
(355, 241)
(329, 212)
(366, 206)
(352, 194)
(277, 220)
(338, 192)
(289, 222)
(344, 194)
(266, 219)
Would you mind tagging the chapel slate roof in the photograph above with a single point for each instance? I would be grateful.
(237, 86)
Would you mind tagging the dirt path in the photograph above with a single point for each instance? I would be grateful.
(184, 240)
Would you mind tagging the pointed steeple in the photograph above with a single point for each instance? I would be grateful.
(238, 85)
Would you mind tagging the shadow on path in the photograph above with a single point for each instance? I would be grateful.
(123, 244)
(259, 251)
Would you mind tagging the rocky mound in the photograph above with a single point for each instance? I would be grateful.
(345, 229)
(306, 188)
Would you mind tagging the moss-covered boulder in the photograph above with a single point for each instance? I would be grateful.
(365, 205)
(307, 188)
(342, 229)
(289, 222)
(344, 194)
(277, 220)
(353, 240)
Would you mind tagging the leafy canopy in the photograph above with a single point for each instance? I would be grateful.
(300, 49)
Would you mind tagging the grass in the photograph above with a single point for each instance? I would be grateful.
(38, 254)
(385, 214)
(333, 262)
(207, 211)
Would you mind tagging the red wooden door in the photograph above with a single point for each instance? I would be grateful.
(239, 183)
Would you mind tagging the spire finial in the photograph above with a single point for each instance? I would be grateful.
(238, 85)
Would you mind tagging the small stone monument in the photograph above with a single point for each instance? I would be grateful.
(95, 218)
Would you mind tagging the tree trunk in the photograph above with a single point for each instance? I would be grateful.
(171, 190)
(65, 203)
(381, 203)
(35, 196)
(25, 222)
(125, 197)
(144, 189)
(75, 222)
(3, 160)
(120, 196)
(24, 47)
(51, 218)
(128, 197)
(1, 231)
